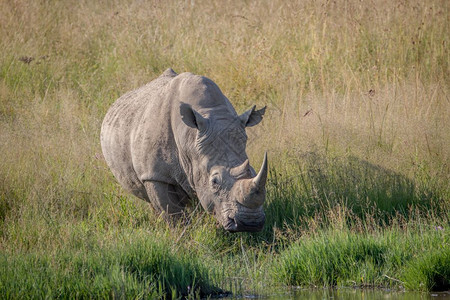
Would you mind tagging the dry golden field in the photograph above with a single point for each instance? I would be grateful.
(357, 95)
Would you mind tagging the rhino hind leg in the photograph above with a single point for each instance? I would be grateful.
(166, 198)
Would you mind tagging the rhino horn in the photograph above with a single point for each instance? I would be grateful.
(241, 169)
(253, 192)
(260, 179)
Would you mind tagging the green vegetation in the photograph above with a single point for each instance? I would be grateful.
(430, 271)
(357, 131)
(137, 266)
(345, 258)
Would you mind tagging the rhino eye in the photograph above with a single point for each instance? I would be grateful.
(215, 182)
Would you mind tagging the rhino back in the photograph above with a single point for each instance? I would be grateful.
(123, 137)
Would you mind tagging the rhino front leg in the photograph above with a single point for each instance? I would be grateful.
(166, 198)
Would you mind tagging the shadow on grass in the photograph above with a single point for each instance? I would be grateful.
(326, 189)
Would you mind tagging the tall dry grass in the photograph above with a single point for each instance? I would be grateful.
(357, 96)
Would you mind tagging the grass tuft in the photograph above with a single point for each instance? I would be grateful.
(343, 258)
(429, 271)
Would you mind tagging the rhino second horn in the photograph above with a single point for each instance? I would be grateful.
(252, 191)
(239, 170)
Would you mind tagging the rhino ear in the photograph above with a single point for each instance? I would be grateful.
(192, 118)
(252, 117)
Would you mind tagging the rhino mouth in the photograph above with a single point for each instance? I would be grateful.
(239, 224)
(231, 225)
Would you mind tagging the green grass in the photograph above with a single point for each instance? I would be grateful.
(381, 259)
(138, 265)
(357, 132)
(429, 271)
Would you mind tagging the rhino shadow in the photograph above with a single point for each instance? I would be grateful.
(320, 185)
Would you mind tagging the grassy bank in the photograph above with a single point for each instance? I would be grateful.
(357, 131)
(135, 265)
(416, 259)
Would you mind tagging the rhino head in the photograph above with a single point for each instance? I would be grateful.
(225, 183)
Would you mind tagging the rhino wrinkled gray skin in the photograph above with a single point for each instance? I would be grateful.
(179, 138)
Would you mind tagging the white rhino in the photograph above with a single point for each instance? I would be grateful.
(178, 138)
